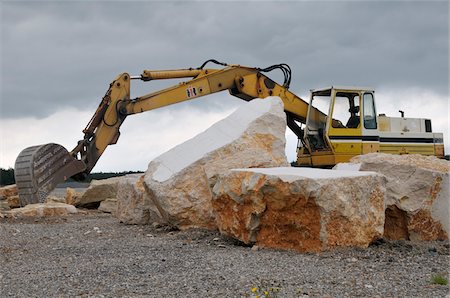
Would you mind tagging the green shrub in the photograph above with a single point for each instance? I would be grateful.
(439, 279)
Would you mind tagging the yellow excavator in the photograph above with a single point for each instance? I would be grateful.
(337, 124)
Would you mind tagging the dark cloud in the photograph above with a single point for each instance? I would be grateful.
(56, 55)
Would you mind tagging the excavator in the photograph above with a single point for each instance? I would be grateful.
(337, 123)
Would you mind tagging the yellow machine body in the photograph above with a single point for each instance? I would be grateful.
(333, 141)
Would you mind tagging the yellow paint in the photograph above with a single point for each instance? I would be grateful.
(370, 147)
(323, 160)
(304, 160)
(343, 157)
(425, 149)
(439, 150)
(105, 135)
(353, 148)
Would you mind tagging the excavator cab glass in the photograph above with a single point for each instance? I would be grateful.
(316, 123)
(369, 116)
(346, 110)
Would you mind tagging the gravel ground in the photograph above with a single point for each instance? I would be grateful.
(93, 255)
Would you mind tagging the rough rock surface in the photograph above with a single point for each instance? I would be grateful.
(8, 190)
(13, 201)
(9, 194)
(133, 206)
(4, 205)
(417, 198)
(98, 190)
(72, 196)
(41, 210)
(55, 199)
(302, 209)
(108, 206)
(177, 184)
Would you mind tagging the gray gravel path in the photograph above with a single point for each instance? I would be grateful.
(92, 255)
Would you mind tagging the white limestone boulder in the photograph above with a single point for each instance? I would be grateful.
(417, 198)
(177, 184)
(302, 209)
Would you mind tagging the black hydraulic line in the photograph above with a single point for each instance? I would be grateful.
(213, 61)
(117, 115)
(284, 68)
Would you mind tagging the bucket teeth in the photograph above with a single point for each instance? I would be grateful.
(39, 169)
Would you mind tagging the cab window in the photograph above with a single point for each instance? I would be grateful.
(369, 116)
(346, 110)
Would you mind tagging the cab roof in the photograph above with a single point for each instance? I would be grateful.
(327, 91)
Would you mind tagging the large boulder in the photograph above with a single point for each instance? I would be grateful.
(302, 209)
(417, 198)
(176, 189)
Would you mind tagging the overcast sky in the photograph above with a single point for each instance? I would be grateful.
(57, 60)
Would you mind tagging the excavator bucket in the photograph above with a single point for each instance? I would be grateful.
(39, 169)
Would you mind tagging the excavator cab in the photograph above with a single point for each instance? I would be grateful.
(339, 135)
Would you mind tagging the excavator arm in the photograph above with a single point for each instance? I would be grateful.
(39, 169)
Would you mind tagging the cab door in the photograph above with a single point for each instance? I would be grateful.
(370, 134)
(344, 124)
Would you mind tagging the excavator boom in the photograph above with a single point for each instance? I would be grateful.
(39, 169)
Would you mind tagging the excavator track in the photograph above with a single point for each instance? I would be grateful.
(39, 169)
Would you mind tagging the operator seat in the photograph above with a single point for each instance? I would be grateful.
(353, 121)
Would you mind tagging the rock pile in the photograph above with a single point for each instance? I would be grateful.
(192, 186)
(10, 206)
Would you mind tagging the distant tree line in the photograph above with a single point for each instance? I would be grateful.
(7, 176)
(106, 175)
